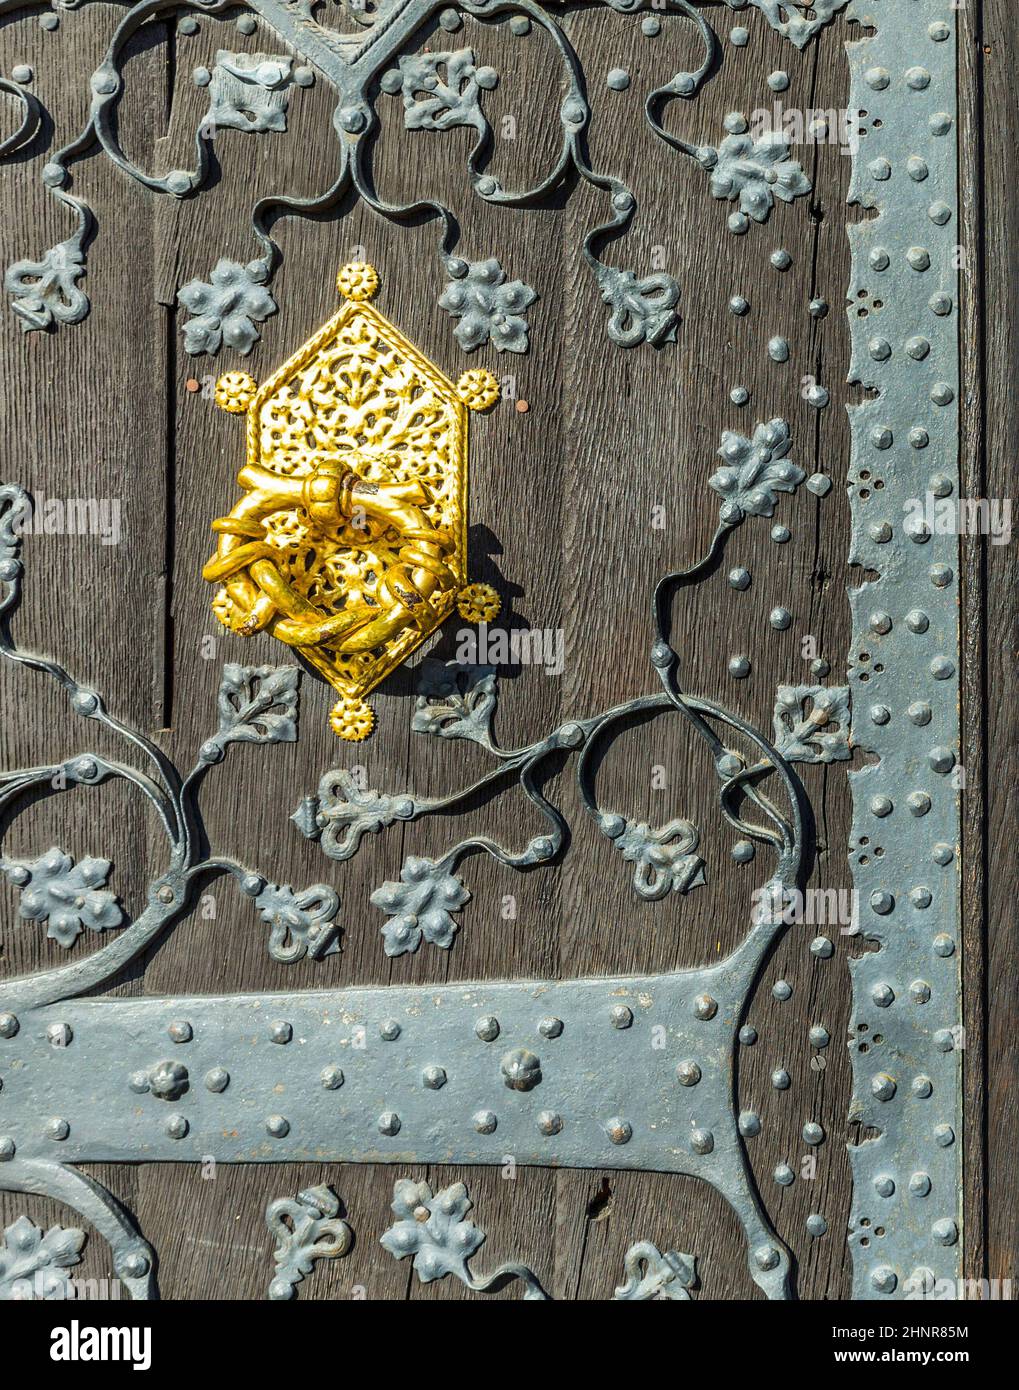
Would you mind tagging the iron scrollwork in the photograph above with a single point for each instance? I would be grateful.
(439, 90)
(534, 1098)
(168, 1110)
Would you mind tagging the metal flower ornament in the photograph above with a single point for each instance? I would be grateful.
(368, 60)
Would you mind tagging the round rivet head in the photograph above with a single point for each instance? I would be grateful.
(941, 759)
(918, 78)
(943, 945)
(57, 1128)
(813, 1133)
(781, 259)
(747, 1035)
(280, 1031)
(920, 896)
(920, 1185)
(918, 257)
(782, 990)
(739, 306)
(484, 1121)
(882, 995)
(389, 1122)
(433, 1078)
(621, 1016)
(917, 620)
(739, 666)
(920, 992)
(780, 618)
(739, 578)
(882, 1086)
(922, 1087)
(945, 1232)
(879, 259)
(818, 308)
(487, 1028)
(766, 1257)
(277, 1126)
(216, 1080)
(941, 575)
(177, 1127)
(550, 1027)
(549, 1122)
(688, 1073)
(942, 854)
(180, 1031)
(139, 1082)
(133, 1265)
(619, 1131)
(521, 1069)
(944, 1040)
(944, 1136)
(702, 1141)
(880, 714)
(882, 902)
(749, 1124)
(816, 1224)
(919, 712)
(884, 1279)
(880, 623)
(8, 1025)
(881, 806)
(168, 1080)
(704, 1007)
(743, 851)
(877, 79)
(822, 948)
(819, 1036)
(880, 532)
(884, 1185)
(389, 1030)
(780, 1079)
(59, 1035)
(784, 1175)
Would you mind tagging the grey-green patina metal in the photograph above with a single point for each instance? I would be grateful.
(170, 1073)
(903, 665)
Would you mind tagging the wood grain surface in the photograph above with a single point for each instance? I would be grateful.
(578, 505)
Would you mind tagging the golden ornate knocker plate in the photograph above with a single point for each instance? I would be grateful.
(350, 542)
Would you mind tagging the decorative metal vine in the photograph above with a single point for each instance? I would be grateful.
(439, 90)
(458, 701)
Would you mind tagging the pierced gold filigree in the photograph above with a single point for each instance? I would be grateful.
(350, 542)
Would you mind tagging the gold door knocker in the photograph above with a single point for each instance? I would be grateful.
(350, 542)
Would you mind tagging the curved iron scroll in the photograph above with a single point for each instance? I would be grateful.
(647, 1125)
(439, 90)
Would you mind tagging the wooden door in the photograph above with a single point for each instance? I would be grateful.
(676, 996)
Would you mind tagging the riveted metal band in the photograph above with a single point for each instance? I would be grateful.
(905, 1035)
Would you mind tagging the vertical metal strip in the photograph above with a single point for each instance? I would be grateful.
(905, 1031)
